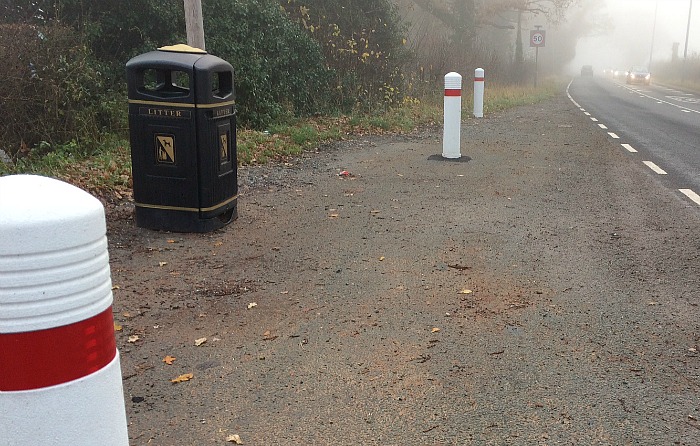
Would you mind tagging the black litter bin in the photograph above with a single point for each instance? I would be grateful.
(182, 122)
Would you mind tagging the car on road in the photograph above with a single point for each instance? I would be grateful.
(587, 70)
(620, 74)
(638, 75)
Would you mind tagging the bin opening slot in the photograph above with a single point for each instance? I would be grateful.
(222, 84)
(164, 83)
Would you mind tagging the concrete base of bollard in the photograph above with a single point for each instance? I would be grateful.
(461, 159)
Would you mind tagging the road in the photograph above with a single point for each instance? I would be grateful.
(658, 125)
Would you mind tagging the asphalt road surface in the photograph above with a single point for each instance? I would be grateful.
(544, 293)
(659, 125)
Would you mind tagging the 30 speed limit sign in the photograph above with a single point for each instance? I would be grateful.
(537, 38)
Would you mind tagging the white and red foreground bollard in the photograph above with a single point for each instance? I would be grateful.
(479, 93)
(453, 116)
(60, 376)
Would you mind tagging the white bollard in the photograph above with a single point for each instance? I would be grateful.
(453, 116)
(60, 376)
(479, 93)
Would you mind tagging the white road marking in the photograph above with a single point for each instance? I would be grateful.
(629, 148)
(594, 120)
(685, 111)
(602, 126)
(613, 135)
(689, 110)
(690, 194)
(586, 113)
(654, 167)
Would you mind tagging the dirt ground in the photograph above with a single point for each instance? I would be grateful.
(543, 293)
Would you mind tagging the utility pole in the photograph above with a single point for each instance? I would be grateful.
(685, 52)
(194, 23)
(653, 35)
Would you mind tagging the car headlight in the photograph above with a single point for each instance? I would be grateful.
(648, 76)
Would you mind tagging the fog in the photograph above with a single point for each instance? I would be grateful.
(626, 29)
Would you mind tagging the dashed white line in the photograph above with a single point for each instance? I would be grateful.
(613, 135)
(654, 167)
(586, 113)
(690, 194)
(602, 126)
(629, 148)
(594, 120)
(685, 111)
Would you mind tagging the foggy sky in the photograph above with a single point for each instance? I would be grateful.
(630, 41)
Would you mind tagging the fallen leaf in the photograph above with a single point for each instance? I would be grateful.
(333, 216)
(381, 259)
(236, 439)
(169, 359)
(218, 243)
(435, 330)
(133, 338)
(117, 327)
(200, 341)
(284, 292)
(252, 305)
(162, 263)
(268, 336)
(171, 241)
(466, 291)
(182, 378)
(115, 287)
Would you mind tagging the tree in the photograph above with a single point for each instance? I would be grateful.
(552, 10)
(362, 43)
(458, 15)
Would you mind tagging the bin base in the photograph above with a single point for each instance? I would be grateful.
(183, 221)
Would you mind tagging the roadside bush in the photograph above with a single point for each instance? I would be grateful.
(363, 44)
(51, 92)
(279, 70)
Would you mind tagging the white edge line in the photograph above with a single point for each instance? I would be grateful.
(654, 167)
(629, 148)
(569, 95)
(692, 195)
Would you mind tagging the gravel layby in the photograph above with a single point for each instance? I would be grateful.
(544, 293)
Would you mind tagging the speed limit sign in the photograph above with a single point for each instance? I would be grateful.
(537, 38)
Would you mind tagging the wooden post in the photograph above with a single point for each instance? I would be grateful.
(194, 23)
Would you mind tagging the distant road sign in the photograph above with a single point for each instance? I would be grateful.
(537, 38)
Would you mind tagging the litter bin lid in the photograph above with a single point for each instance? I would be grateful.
(182, 48)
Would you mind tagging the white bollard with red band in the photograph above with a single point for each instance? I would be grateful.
(60, 377)
(479, 93)
(453, 116)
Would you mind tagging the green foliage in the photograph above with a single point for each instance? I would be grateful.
(279, 70)
(363, 43)
(52, 91)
